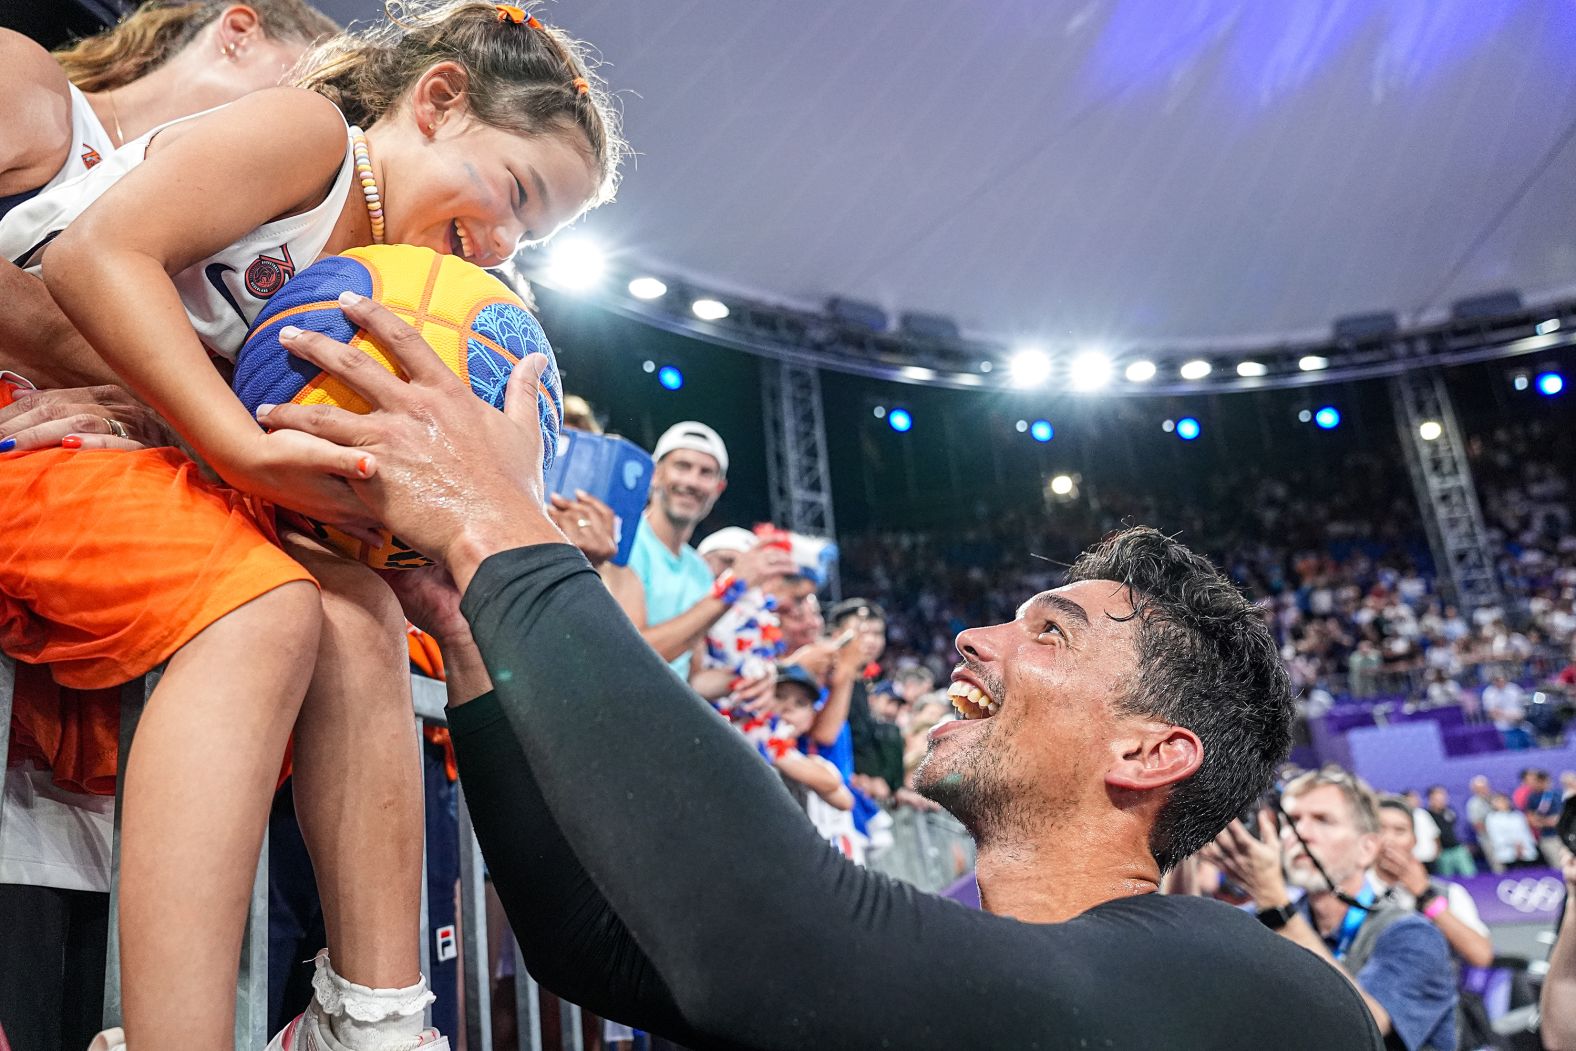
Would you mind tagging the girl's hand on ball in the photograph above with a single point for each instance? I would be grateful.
(454, 477)
(305, 474)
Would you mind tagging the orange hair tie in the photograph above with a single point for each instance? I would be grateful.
(533, 23)
(582, 85)
(510, 13)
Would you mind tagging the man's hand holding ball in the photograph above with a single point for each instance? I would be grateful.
(448, 473)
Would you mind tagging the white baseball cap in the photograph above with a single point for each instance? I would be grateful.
(729, 538)
(696, 437)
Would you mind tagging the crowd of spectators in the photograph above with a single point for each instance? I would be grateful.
(1345, 574)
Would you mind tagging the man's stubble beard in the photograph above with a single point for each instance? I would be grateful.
(976, 787)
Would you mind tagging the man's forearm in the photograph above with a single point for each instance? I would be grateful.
(464, 672)
(1557, 1003)
(37, 340)
(674, 638)
(829, 721)
(1473, 947)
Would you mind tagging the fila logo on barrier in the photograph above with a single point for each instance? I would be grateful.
(1531, 895)
(448, 943)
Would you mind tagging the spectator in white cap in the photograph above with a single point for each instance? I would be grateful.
(678, 599)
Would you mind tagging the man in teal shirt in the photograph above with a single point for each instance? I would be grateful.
(680, 600)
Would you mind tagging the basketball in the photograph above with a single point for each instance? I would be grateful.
(472, 320)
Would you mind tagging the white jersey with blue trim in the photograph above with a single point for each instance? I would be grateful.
(222, 294)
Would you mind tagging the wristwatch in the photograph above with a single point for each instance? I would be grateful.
(1277, 918)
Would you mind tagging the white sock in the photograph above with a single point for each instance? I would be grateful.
(366, 1019)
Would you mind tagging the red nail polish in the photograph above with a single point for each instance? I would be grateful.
(71, 441)
(361, 467)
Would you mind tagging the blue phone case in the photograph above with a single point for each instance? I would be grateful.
(612, 469)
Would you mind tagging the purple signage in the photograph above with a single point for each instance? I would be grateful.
(1517, 896)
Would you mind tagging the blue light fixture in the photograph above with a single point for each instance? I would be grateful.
(1550, 384)
(670, 377)
(1188, 428)
(1328, 418)
(900, 421)
(1042, 431)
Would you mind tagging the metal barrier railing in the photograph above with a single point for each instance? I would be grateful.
(251, 1015)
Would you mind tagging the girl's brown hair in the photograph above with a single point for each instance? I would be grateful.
(524, 76)
(148, 37)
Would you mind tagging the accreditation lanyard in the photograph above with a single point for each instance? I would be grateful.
(1355, 915)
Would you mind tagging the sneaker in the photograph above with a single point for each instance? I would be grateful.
(109, 1040)
(309, 1031)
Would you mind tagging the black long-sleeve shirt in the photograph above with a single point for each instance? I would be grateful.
(657, 872)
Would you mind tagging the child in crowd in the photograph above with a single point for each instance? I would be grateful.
(488, 130)
(793, 708)
(1509, 842)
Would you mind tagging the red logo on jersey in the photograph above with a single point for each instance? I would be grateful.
(90, 156)
(267, 274)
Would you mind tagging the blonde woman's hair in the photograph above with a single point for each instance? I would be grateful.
(148, 37)
(524, 76)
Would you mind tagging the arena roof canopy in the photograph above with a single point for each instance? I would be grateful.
(1128, 173)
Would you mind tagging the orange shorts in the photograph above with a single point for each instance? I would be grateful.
(110, 562)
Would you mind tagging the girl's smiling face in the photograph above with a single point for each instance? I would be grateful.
(463, 187)
(480, 192)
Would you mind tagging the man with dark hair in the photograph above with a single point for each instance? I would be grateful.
(665, 879)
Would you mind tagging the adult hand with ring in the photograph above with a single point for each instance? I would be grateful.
(105, 417)
(587, 522)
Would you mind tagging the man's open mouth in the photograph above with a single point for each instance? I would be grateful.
(972, 702)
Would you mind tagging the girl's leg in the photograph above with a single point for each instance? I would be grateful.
(358, 776)
(198, 783)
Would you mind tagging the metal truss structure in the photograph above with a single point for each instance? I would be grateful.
(1446, 496)
(798, 477)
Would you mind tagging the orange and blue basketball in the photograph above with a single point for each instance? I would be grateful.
(475, 323)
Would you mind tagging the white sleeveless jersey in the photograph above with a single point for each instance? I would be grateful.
(222, 294)
(90, 141)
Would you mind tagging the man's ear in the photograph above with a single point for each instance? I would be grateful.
(1154, 755)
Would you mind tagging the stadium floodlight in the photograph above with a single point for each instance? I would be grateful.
(576, 265)
(1140, 372)
(1062, 484)
(1196, 370)
(647, 288)
(1430, 430)
(1089, 371)
(1030, 367)
(1313, 363)
(709, 309)
(1251, 369)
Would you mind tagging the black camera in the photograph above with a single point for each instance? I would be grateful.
(1567, 826)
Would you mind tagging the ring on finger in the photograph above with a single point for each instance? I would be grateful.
(116, 428)
(582, 523)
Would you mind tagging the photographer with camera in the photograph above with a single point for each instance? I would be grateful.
(1396, 958)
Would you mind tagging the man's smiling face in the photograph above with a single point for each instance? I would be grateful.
(1038, 697)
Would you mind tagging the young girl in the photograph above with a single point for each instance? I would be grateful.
(483, 130)
(72, 109)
